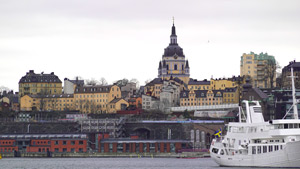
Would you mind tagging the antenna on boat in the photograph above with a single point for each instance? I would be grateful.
(294, 94)
(295, 101)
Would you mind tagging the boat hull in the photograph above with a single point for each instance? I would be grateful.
(288, 157)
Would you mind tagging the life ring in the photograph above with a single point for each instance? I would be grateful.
(232, 153)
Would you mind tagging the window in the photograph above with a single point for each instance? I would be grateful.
(80, 142)
(254, 150)
(64, 142)
(270, 148)
(56, 142)
(72, 142)
(258, 149)
(264, 149)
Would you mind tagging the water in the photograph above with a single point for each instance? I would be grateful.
(108, 163)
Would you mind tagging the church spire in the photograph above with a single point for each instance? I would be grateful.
(173, 28)
(173, 37)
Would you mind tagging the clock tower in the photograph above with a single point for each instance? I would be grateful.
(173, 63)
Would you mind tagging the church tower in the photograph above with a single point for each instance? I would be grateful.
(173, 63)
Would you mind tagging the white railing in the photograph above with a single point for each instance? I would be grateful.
(207, 107)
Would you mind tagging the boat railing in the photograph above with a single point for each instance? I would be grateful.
(219, 139)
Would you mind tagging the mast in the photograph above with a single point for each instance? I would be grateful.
(295, 109)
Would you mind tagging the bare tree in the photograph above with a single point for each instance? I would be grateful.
(3, 88)
(147, 81)
(137, 83)
(122, 82)
(103, 81)
(78, 78)
(271, 68)
(91, 81)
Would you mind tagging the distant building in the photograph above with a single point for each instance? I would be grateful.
(173, 62)
(194, 84)
(96, 99)
(169, 96)
(286, 82)
(260, 67)
(42, 84)
(135, 102)
(154, 87)
(201, 97)
(10, 101)
(58, 102)
(130, 87)
(283, 101)
(116, 105)
(150, 102)
(70, 85)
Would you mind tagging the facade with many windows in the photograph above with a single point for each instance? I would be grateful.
(41, 84)
(95, 99)
(61, 102)
(260, 67)
(209, 97)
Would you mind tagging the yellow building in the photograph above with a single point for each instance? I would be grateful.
(173, 62)
(117, 104)
(95, 99)
(201, 97)
(41, 84)
(230, 95)
(62, 102)
(194, 84)
(260, 68)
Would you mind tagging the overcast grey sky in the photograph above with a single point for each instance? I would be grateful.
(118, 39)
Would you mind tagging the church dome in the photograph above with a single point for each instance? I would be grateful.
(173, 49)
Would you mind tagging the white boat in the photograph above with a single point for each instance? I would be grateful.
(252, 142)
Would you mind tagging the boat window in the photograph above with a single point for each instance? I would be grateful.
(222, 152)
(281, 147)
(291, 126)
(265, 149)
(215, 150)
(270, 148)
(258, 149)
(286, 126)
(276, 148)
(254, 150)
(296, 125)
(277, 141)
(257, 141)
(271, 141)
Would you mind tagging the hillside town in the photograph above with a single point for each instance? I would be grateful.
(51, 115)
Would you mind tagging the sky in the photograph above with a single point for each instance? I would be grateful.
(119, 39)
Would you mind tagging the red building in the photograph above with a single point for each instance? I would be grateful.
(8, 145)
(44, 143)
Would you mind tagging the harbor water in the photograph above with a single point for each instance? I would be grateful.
(108, 163)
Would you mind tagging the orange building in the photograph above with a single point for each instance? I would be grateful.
(135, 102)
